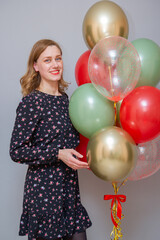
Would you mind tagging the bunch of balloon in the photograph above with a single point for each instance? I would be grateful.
(106, 74)
(114, 69)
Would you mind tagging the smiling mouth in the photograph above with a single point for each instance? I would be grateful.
(56, 72)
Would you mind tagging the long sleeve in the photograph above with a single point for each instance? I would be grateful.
(72, 139)
(23, 147)
(71, 136)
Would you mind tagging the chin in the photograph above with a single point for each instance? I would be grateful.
(55, 80)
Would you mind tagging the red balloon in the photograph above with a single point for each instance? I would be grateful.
(81, 69)
(140, 114)
(82, 147)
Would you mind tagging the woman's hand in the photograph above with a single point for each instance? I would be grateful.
(67, 156)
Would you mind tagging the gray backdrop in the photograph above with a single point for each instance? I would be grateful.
(22, 23)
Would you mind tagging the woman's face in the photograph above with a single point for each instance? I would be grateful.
(50, 64)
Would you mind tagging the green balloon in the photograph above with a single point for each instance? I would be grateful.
(149, 53)
(89, 111)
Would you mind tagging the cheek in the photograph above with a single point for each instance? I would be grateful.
(43, 70)
(62, 66)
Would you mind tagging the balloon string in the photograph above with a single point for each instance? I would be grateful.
(110, 79)
(117, 231)
(115, 185)
(116, 203)
(115, 108)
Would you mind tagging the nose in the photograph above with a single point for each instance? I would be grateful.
(54, 63)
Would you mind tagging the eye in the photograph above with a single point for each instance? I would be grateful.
(47, 60)
(58, 59)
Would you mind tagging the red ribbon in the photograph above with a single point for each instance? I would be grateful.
(119, 199)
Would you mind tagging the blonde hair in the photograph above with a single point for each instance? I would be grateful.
(31, 80)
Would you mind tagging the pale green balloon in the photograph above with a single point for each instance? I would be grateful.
(90, 111)
(149, 53)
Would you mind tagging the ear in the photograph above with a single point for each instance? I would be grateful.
(35, 67)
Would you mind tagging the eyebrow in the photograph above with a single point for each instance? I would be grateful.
(51, 56)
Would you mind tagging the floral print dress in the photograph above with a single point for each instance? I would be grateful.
(51, 207)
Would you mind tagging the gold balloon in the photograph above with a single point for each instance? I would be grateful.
(104, 19)
(111, 154)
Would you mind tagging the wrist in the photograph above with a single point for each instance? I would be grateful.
(59, 154)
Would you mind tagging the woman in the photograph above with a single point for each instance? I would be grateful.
(44, 138)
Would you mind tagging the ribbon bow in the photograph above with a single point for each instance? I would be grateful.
(119, 199)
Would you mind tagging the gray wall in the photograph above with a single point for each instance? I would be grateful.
(22, 23)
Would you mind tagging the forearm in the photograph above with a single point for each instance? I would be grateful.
(33, 155)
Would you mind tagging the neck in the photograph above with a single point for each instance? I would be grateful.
(49, 88)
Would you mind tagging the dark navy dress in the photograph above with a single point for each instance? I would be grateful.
(51, 207)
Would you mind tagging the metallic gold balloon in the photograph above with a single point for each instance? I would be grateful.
(111, 154)
(103, 19)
